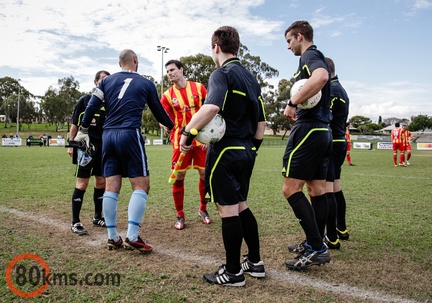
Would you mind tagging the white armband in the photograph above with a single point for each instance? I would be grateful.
(98, 93)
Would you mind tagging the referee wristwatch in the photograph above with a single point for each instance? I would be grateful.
(184, 132)
(290, 104)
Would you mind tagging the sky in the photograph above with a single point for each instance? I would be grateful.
(381, 48)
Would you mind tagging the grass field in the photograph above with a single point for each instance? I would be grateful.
(387, 259)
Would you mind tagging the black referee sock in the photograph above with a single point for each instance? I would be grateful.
(98, 198)
(305, 214)
(77, 200)
(331, 218)
(319, 204)
(341, 206)
(232, 235)
(250, 235)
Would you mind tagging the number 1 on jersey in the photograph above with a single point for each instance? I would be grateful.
(127, 81)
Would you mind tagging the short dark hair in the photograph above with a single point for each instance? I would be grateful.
(331, 64)
(175, 62)
(301, 27)
(98, 74)
(397, 124)
(228, 39)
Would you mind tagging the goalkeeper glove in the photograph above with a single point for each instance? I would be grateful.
(82, 135)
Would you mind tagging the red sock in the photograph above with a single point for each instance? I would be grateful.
(201, 189)
(178, 195)
(395, 159)
(402, 158)
(349, 159)
(409, 156)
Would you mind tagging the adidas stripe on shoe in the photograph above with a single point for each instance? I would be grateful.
(255, 270)
(99, 222)
(223, 277)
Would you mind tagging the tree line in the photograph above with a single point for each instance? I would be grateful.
(57, 104)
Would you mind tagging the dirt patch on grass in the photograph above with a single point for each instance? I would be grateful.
(173, 272)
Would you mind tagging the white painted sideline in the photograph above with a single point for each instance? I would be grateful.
(291, 277)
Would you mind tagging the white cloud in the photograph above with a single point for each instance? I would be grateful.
(55, 36)
(387, 99)
(422, 4)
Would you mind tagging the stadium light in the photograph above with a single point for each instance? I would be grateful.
(19, 93)
(162, 49)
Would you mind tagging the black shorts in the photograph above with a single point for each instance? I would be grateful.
(337, 158)
(94, 168)
(308, 151)
(228, 172)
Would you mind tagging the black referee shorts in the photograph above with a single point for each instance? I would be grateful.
(307, 152)
(228, 172)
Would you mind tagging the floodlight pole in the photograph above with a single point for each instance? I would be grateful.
(163, 50)
(18, 107)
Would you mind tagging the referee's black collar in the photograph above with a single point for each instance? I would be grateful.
(231, 60)
(312, 47)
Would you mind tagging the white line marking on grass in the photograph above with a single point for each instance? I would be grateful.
(291, 277)
(386, 176)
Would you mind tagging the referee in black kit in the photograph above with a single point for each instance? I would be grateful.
(234, 93)
(308, 149)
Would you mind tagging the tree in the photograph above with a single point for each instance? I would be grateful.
(198, 68)
(356, 121)
(261, 70)
(58, 104)
(8, 106)
(9, 90)
(368, 128)
(149, 122)
(275, 103)
(8, 87)
(420, 123)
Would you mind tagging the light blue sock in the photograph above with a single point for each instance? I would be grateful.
(109, 205)
(136, 210)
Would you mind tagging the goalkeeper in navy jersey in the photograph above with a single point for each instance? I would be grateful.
(126, 94)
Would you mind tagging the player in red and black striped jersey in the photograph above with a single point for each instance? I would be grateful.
(397, 143)
(181, 101)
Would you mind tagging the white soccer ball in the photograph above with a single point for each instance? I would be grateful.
(213, 131)
(309, 103)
